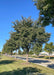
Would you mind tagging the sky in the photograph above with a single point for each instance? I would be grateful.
(11, 10)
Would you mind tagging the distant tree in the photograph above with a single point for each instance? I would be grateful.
(9, 46)
(46, 14)
(28, 33)
(19, 52)
(0, 53)
(14, 36)
(24, 51)
(4, 50)
(31, 52)
(49, 47)
(37, 48)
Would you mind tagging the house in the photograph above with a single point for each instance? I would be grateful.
(46, 53)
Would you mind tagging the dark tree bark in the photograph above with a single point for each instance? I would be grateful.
(11, 52)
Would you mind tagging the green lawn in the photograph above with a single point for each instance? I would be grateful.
(10, 66)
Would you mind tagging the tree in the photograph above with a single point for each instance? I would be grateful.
(19, 52)
(46, 8)
(4, 50)
(0, 53)
(14, 36)
(49, 47)
(24, 51)
(37, 48)
(28, 33)
(9, 46)
(31, 52)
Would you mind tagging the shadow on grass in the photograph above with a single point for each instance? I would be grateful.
(51, 66)
(6, 62)
(24, 71)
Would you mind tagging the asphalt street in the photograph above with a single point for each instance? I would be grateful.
(42, 62)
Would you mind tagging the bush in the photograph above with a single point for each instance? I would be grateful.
(46, 57)
(51, 57)
(41, 56)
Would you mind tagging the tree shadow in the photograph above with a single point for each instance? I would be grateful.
(24, 71)
(23, 58)
(33, 60)
(6, 62)
(39, 61)
(51, 66)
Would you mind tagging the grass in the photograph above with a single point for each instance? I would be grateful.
(10, 66)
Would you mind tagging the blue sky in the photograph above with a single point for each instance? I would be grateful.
(11, 10)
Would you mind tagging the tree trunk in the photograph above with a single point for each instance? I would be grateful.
(49, 55)
(16, 54)
(27, 55)
(37, 56)
(11, 52)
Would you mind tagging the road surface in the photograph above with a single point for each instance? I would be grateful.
(42, 62)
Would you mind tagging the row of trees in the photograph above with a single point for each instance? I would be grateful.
(49, 47)
(46, 17)
(29, 34)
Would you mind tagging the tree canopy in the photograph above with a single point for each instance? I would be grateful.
(46, 14)
(28, 33)
(49, 47)
(9, 46)
(37, 48)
